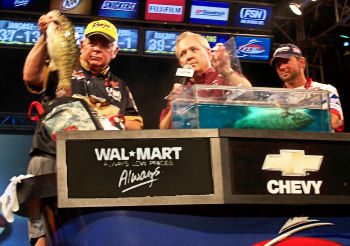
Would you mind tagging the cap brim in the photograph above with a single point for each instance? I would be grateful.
(273, 60)
(101, 33)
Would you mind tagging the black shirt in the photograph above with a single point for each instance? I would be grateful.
(105, 87)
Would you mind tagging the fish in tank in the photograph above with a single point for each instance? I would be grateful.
(191, 116)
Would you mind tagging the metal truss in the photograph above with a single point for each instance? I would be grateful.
(315, 31)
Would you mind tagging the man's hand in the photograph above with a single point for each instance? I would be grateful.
(221, 61)
(44, 22)
(175, 91)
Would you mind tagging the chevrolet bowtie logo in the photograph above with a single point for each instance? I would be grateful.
(292, 162)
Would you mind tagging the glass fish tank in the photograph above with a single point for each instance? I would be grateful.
(213, 106)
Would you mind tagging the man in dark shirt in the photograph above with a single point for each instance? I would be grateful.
(92, 80)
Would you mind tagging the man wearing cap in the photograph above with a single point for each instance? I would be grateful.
(290, 66)
(91, 79)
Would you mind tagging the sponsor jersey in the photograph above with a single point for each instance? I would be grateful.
(334, 100)
(105, 88)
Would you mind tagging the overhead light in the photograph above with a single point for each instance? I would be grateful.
(343, 36)
(346, 44)
(297, 6)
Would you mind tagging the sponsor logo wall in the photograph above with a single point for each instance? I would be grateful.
(199, 12)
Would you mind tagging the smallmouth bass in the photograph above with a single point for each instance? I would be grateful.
(63, 50)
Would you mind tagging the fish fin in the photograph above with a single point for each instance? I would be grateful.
(245, 111)
(285, 112)
(52, 66)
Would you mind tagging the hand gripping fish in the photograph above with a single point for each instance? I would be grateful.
(63, 50)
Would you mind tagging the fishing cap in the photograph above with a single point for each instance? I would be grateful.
(102, 27)
(285, 51)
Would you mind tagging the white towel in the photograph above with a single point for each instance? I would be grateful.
(9, 200)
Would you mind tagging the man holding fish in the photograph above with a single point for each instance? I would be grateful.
(211, 67)
(290, 65)
(87, 76)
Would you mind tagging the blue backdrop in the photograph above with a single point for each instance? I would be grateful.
(13, 162)
(156, 225)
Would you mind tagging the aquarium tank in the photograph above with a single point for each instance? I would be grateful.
(213, 106)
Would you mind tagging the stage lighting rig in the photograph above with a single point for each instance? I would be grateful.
(298, 6)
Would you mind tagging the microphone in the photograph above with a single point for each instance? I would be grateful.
(184, 73)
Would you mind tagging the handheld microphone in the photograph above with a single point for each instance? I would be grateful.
(185, 73)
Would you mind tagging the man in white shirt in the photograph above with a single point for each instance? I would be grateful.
(290, 65)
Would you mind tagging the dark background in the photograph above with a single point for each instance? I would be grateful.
(151, 78)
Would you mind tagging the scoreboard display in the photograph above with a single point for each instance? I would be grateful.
(213, 39)
(26, 34)
(160, 42)
(128, 39)
(20, 33)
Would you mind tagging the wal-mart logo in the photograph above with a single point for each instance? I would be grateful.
(253, 14)
(118, 6)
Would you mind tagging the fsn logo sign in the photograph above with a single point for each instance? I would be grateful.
(253, 14)
(293, 163)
